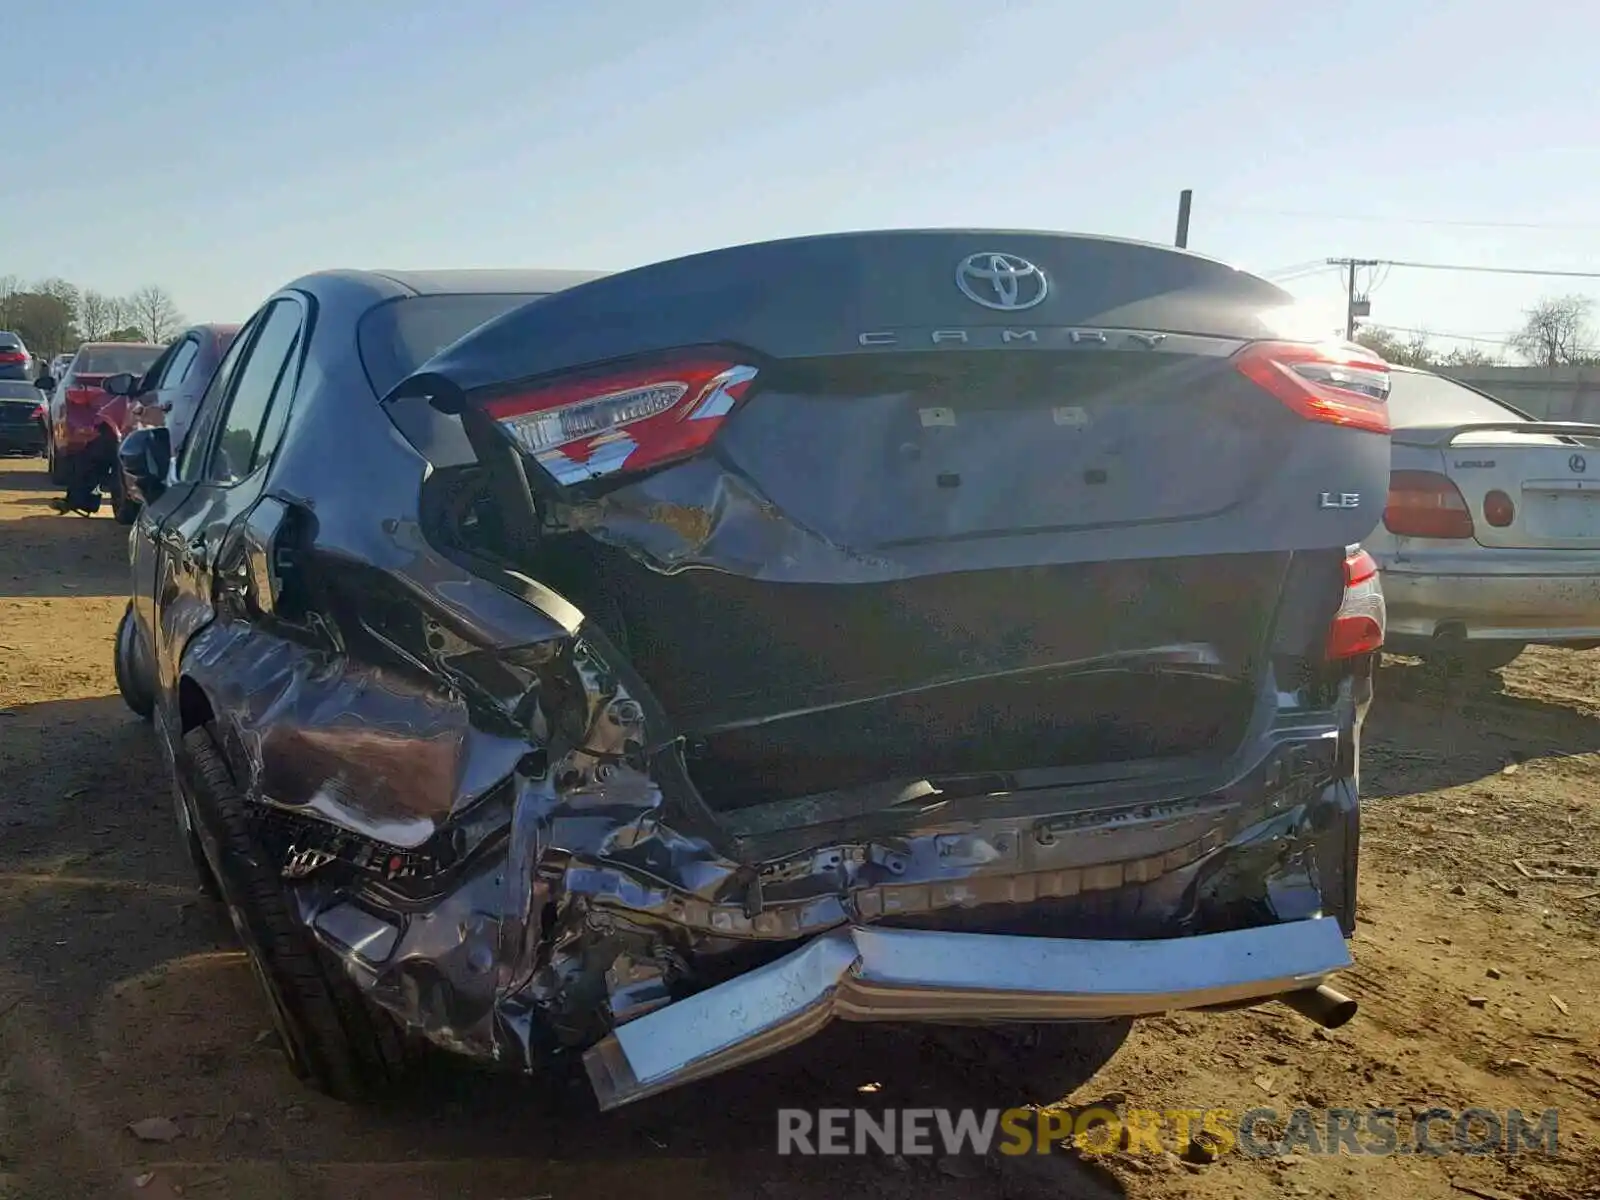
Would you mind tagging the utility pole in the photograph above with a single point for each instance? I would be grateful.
(1354, 307)
(1185, 199)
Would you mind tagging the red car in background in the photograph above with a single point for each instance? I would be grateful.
(77, 402)
(167, 393)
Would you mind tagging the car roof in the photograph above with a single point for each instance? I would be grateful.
(507, 281)
(109, 345)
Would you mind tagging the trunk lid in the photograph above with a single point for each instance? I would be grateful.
(1551, 478)
(876, 506)
(1527, 484)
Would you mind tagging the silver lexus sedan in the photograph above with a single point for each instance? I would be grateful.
(1491, 536)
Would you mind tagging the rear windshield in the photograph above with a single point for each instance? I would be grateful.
(10, 339)
(108, 360)
(11, 390)
(398, 337)
(1430, 400)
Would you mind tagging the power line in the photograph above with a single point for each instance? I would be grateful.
(1496, 340)
(1297, 214)
(1425, 266)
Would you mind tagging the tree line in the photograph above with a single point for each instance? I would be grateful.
(1555, 332)
(52, 316)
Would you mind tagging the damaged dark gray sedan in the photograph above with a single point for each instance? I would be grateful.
(946, 626)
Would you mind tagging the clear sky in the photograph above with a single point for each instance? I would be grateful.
(222, 148)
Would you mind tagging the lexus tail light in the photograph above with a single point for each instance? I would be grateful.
(1426, 504)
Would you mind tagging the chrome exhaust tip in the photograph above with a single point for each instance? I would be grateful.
(1326, 1007)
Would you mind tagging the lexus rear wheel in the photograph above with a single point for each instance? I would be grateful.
(1463, 658)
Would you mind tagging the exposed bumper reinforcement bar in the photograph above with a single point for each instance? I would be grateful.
(877, 974)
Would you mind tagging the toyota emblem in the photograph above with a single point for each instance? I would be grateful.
(1001, 281)
(1578, 463)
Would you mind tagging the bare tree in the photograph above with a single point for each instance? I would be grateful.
(153, 311)
(10, 286)
(1556, 332)
(1470, 356)
(1410, 351)
(98, 315)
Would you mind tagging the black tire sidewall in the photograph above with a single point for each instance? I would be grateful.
(331, 1037)
(132, 682)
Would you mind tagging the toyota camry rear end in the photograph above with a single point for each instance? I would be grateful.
(949, 626)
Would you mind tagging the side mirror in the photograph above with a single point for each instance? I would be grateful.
(45, 382)
(145, 455)
(120, 384)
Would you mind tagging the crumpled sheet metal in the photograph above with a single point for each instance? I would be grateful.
(603, 900)
(359, 745)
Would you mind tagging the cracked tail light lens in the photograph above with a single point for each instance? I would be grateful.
(1359, 625)
(1426, 504)
(1332, 383)
(624, 421)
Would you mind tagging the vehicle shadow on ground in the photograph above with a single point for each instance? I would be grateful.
(24, 475)
(1424, 733)
(59, 556)
(121, 983)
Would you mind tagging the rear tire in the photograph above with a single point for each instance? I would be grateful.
(332, 1038)
(1472, 658)
(133, 679)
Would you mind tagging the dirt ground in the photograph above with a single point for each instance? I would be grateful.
(121, 998)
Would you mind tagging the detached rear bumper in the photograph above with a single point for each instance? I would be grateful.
(879, 974)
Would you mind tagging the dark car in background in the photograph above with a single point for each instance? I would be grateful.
(77, 399)
(164, 395)
(21, 418)
(942, 626)
(15, 361)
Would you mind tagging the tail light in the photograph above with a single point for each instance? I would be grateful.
(9, 357)
(1498, 509)
(38, 412)
(1358, 627)
(1426, 504)
(1336, 384)
(622, 421)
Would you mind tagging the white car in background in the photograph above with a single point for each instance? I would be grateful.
(1490, 539)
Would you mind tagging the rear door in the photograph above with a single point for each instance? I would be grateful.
(1527, 484)
(154, 583)
(151, 391)
(226, 457)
